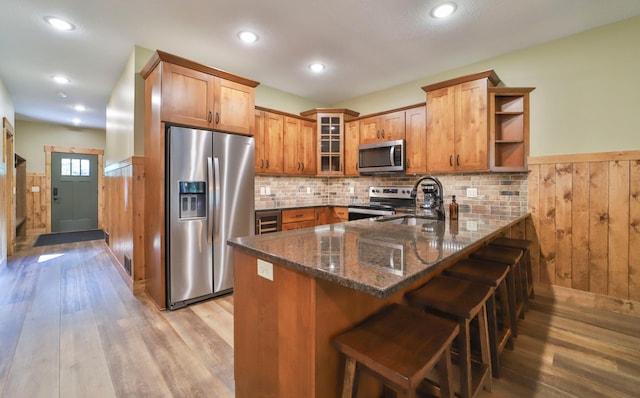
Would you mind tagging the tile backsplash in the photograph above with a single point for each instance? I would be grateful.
(498, 193)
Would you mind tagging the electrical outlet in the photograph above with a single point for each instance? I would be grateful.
(262, 191)
(265, 269)
(472, 192)
(472, 225)
(352, 190)
(308, 189)
(267, 190)
(35, 189)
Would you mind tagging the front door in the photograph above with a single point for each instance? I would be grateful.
(74, 192)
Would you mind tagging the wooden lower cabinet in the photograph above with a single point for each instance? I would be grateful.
(338, 214)
(298, 218)
(283, 330)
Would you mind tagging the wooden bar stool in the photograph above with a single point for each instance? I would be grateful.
(462, 300)
(399, 345)
(511, 257)
(494, 275)
(525, 246)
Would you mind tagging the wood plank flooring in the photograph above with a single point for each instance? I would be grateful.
(69, 327)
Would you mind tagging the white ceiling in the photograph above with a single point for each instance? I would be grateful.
(367, 45)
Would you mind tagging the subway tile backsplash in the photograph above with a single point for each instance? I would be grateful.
(498, 193)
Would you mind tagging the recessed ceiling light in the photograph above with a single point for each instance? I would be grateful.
(76, 121)
(60, 79)
(59, 24)
(80, 108)
(317, 67)
(248, 37)
(62, 94)
(443, 10)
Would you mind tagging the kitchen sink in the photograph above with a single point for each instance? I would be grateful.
(408, 219)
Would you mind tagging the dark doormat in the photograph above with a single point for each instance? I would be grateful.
(69, 237)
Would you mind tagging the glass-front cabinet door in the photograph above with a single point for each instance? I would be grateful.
(331, 139)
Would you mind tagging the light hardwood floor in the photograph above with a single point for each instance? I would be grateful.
(70, 328)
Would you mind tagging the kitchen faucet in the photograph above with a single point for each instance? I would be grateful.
(433, 199)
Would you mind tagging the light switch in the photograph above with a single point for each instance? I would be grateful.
(265, 269)
(267, 190)
(472, 192)
(35, 189)
(262, 191)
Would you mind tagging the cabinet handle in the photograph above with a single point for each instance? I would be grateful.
(457, 160)
(408, 161)
(299, 215)
(378, 134)
(302, 166)
(382, 133)
(262, 164)
(217, 117)
(210, 117)
(298, 166)
(450, 160)
(267, 163)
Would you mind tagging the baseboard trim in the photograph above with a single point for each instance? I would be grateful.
(590, 300)
(123, 273)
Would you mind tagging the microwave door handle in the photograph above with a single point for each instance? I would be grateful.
(392, 152)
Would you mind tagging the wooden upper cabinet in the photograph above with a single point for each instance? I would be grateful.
(273, 143)
(351, 142)
(300, 146)
(259, 137)
(187, 96)
(199, 96)
(234, 105)
(457, 123)
(387, 127)
(416, 136)
(307, 150)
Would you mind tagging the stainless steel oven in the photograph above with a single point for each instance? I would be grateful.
(383, 201)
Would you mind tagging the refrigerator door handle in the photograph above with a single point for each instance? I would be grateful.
(216, 172)
(210, 200)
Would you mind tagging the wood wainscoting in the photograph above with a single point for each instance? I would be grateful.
(124, 218)
(38, 203)
(585, 210)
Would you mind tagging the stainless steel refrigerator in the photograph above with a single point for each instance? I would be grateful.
(210, 180)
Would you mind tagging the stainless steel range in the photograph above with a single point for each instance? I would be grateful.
(384, 201)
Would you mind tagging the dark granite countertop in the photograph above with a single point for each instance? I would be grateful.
(378, 258)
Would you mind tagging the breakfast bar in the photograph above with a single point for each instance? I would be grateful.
(294, 291)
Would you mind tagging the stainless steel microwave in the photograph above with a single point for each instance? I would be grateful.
(381, 157)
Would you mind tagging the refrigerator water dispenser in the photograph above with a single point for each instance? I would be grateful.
(193, 199)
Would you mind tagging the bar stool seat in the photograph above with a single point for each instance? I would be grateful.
(526, 246)
(462, 300)
(511, 257)
(495, 275)
(399, 345)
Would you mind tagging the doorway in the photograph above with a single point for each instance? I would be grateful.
(74, 192)
(49, 152)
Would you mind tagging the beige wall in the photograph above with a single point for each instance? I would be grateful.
(273, 98)
(31, 138)
(125, 111)
(587, 90)
(6, 110)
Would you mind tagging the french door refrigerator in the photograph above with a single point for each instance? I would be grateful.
(209, 192)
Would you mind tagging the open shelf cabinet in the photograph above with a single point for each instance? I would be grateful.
(509, 128)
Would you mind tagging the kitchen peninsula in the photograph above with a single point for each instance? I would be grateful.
(295, 290)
